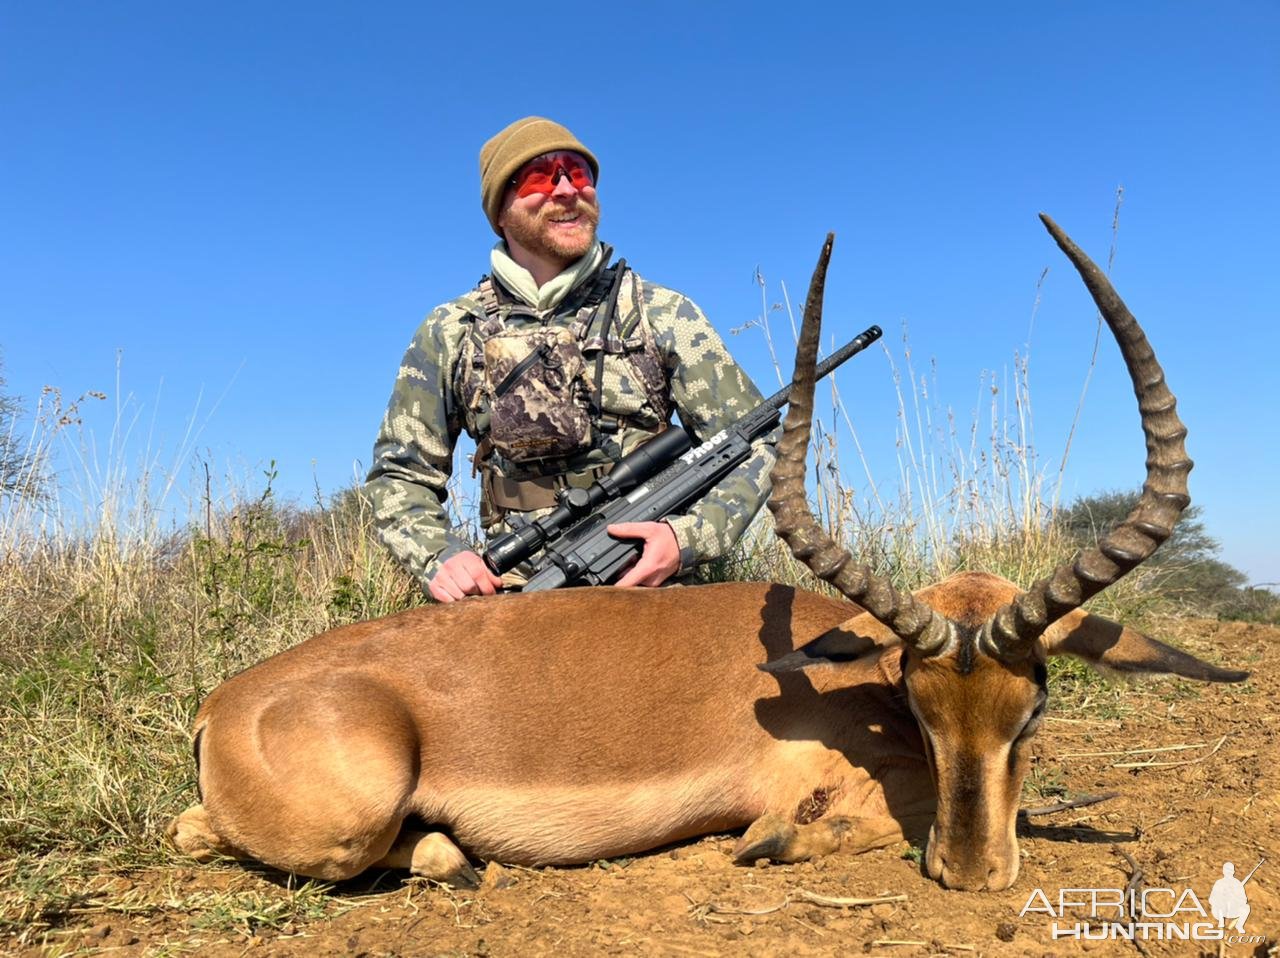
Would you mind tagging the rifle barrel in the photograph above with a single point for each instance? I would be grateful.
(835, 360)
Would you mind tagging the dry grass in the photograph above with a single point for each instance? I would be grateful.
(112, 629)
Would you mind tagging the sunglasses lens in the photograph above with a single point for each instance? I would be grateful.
(534, 181)
(541, 174)
(580, 175)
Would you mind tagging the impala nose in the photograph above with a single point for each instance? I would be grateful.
(965, 879)
(979, 877)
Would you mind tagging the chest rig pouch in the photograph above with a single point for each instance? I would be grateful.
(536, 390)
(536, 387)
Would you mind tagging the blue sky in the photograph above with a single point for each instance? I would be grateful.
(257, 203)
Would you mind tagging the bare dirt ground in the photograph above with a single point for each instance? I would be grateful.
(1195, 766)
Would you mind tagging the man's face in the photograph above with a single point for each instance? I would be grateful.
(559, 225)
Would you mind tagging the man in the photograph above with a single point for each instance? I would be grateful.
(557, 364)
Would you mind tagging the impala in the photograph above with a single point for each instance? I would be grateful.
(573, 725)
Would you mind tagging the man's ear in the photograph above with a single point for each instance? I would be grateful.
(508, 197)
(1110, 645)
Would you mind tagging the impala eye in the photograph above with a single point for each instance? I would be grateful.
(1033, 723)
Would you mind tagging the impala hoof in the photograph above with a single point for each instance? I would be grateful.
(464, 879)
(768, 837)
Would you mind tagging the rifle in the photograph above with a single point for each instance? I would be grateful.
(655, 480)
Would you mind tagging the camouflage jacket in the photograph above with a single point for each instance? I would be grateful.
(413, 454)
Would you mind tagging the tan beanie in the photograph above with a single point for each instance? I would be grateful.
(511, 149)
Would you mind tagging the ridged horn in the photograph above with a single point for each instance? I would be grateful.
(1014, 628)
(913, 621)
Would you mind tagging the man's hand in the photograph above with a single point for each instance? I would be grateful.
(660, 559)
(462, 575)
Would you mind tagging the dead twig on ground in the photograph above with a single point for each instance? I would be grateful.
(706, 910)
(686, 950)
(815, 899)
(1190, 761)
(1076, 721)
(894, 943)
(715, 908)
(1080, 802)
(1135, 873)
(1131, 890)
(1137, 751)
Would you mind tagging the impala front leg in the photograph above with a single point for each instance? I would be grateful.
(430, 855)
(773, 837)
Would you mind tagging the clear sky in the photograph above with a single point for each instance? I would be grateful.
(254, 205)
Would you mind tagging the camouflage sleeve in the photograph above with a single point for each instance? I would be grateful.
(710, 392)
(413, 454)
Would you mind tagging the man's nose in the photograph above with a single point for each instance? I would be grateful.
(563, 184)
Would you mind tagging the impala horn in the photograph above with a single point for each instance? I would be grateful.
(911, 620)
(1014, 629)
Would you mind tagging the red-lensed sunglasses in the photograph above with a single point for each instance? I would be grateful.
(542, 173)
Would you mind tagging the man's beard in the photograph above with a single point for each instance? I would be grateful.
(529, 231)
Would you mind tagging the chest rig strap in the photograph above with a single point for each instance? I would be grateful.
(496, 304)
(602, 422)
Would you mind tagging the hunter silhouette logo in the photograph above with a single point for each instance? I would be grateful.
(1228, 901)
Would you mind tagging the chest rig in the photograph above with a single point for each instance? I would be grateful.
(555, 397)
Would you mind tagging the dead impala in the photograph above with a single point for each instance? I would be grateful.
(568, 726)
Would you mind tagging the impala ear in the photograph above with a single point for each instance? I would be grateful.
(1110, 645)
(830, 648)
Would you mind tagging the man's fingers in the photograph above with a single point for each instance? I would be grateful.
(636, 575)
(443, 588)
(484, 579)
(463, 580)
(660, 558)
(462, 575)
(639, 567)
